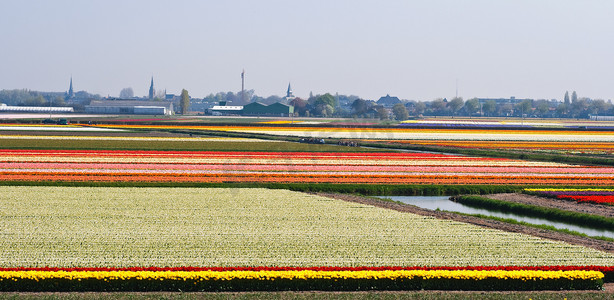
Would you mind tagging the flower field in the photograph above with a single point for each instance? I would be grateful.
(317, 167)
(541, 146)
(55, 238)
(86, 238)
(600, 196)
(400, 133)
(206, 227)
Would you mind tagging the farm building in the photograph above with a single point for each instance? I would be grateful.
(35, 109)
(135, 107)
(388, 101)
(226, 110)
(275, 109)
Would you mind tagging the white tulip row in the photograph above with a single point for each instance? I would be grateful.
(121, 227)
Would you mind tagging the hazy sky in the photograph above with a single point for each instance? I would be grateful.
(410, 49)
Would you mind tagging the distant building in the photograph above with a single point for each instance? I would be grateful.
(253, 109)
(388, 101)
(510, 100)
(225, 110)
(71, 93)
(34, 109)
(135, 107)
(289, 95)
(275, 109)
(151, 90)
(602, 118)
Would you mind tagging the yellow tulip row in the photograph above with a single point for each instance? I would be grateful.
(302, 275)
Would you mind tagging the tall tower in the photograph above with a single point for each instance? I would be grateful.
(71, 93)
(151, 90)
(243, 86)
(289, 92)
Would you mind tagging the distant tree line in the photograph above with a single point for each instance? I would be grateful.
(25, 97)
(571, 107)
(328, 105)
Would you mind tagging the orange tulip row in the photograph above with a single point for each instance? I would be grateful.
(305, 177)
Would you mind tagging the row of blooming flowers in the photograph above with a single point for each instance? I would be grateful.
(195, 166)
(607, 270)
(297, 279)
(401, 133)
(541, 146)
(600, 196)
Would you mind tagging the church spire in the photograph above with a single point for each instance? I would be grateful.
(151, 90)
(289, 92)
(70, 90)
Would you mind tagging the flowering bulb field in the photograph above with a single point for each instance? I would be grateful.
(400, 133)
(87, 238)
(542, 146)
(317, 167)
(175, 227)
(601, 196)
(59, 238)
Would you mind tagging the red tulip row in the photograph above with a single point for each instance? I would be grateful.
(589, 198)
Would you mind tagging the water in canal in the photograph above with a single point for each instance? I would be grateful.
(444, 203)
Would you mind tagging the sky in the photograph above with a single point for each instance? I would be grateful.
(417, 50)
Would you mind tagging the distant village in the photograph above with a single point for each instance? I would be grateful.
(247, 103)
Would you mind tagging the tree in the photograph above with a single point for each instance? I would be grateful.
(58, 101)
(400, 112)
(566, 99)
(323, 105)
(574, 97)
(382, 112)
(455, 105)
(438, 106)
(35, 101)
(326, 99)
(300, 106)
(505, 109)
(597, 107)
(126, 93)
(184, 104)
(489, 107)
(579, 107)
(419, 107)
(562, 110)
(472, 106)
(360, 107)
(542, 107)
(525, 107)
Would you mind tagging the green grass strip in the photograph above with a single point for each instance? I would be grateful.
(553, 214)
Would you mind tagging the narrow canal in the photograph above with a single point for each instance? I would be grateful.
(444, 203)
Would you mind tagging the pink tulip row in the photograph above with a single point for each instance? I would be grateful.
(294, 167)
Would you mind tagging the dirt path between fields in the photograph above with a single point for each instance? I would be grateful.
(583, 207)
(552, 235)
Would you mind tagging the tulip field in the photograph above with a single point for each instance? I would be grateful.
(400, 133)
(88, 227)
(109, 233)
(540, 146)
(288, 167)
(127, 227)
